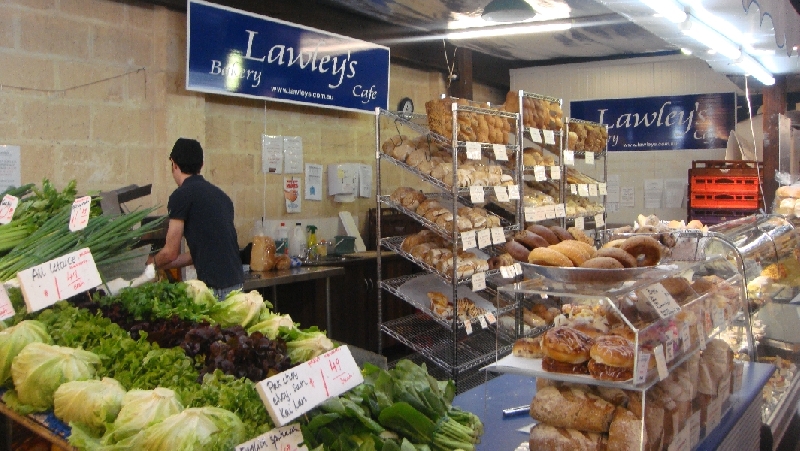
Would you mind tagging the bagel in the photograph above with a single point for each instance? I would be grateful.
(561, 233)
(614, 243)
(645, 249)
(548, 257)
(579, 235)
(602, 263)
(619, 255)
(544, 232)
(575, 253)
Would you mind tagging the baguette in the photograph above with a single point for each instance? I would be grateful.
(572, 408)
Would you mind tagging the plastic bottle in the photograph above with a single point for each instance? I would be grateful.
(282, 239)
(297, 242)
(262, 255)
(311, 242)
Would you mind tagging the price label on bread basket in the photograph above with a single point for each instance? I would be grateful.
(555, 172)
(659, 298)
(500, 153)
(507, 272)
(473, 150)
(580, 223)
(7, 208)
(599, 220)
(536, 135)
(602, 189)
(573, 189)
(482, 320)
(569, 158)
(549, 137)
(479, 281)
(513, 192)
(686, 337)
(498, 235)
(501, 193)
(642, 367)
(476, 194)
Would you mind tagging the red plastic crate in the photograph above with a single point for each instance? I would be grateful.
(731, 201)
(724, 185)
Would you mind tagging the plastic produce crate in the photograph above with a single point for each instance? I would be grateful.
(703, 184)
(726, 201)
(725, 168)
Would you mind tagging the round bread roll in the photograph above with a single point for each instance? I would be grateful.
(602, 263)
(627, 260)
(564, 344)
(573, 251)
(544, 232)
(579, 235)
(612, 350)
(549, 257)
(694, 224)
(646, 250)
(561, 233)
(517, 251)
(788, 191)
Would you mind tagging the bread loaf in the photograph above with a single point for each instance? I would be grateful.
(624, 434)
(572, 408)
(546, 437)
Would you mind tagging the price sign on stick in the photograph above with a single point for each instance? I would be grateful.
(6, 309)
(7, 207)
(60, 278)
(296, 391)
(287, 438)
(79, 217)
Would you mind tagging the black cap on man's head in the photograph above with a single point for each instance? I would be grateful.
(188, 155)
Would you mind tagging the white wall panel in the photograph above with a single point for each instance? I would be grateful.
(643, 77)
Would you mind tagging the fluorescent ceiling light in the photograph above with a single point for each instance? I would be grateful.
(752, 67)
(508, 31)
(508, 11)
(667, 9)
(710, 38)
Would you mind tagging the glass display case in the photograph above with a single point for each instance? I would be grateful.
(679, 372)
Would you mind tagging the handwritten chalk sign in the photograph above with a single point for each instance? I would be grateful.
(287, 438)
(660, 299)
(79, 217)
(58, 279)
(7, 208)
(296, 391)
(6, 309)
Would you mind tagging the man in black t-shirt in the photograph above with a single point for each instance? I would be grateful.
(203, 214)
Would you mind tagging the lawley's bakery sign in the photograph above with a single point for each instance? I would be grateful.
(237, 53)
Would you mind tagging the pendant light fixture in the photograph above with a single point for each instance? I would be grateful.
(508, 11)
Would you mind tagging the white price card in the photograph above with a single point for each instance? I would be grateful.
(518, 269)
(593, 190)
(660, 299)
(476, 194)
(468, 240)
(569, 158)
(579, 223)
(479, 281)
(661, 362)
(473, 150)
(583, 190)
(498, 235)
(669, 347)
(686, 337)
(589, 157)
(513, 192)
(501, 193)
(536, 135)
(539, 173)
(57, 279)
(599, 220)
(6, 309)
(482, 320)
(289, 394)
(561, 211)
(602, 189)
(7, 208)
(500, 152)
(682, 440)
(286, 438)
(549, 211)
(713, 414)
(490, 317)
(555, 172)
(642, 366)
(539, 214)
(79, 217)
(468, 327)
(507, 272)
(549, 137)
(573, 189)
(484, 238)
(529, 212)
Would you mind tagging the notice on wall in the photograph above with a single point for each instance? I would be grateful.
(612, 188)
(313, 181)
(291, 194)
(58, 279)
(293, 154)
(296, 391)
(627, 196)
(10, 172)
(365, 180)
(674, 192)
(653, 191)
(271, 154)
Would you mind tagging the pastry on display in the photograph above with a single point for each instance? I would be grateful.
(587, 137)
(528, 347)
(431, 249)
(611, 358)
(541, 113)
(466, 218)
(475, 127)
(566, 350)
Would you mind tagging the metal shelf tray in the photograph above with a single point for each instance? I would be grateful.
(395, 244)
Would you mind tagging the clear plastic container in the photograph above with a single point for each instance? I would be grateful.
(262, 255)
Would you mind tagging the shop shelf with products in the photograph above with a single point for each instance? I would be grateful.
(452, 171)
(669, 314)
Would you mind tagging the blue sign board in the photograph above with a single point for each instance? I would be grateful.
(701, 121)
(237, 53)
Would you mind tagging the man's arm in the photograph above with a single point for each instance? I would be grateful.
(169, 256)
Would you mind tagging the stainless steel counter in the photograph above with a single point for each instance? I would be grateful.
(265, 279)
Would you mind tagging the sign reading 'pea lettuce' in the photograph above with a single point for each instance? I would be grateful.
(237, 53)
(701, 121)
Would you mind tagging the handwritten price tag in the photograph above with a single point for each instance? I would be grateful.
(642, 366)
(79, 217)
(561, 211)
(473, 150)
(539, 214)
(484, 238)
(513, 192)
(476, 194)
(569, 158)
(539, 173)
(660, 299)
(603, 189)
(500, 152)
(296, 391)
(589, 157)
(686, 337)
(501, 193)
(479, 281)
(555, 172)
(57, 279)
(593, 190)
(498, 236)
(536, 135)
(549, 136)
(579, 223)
(573, 189)
(6, 309)
(287, 438)
(599, 220)
(507, 272)
(7, 208)
(529, 213)
(468, 240)
(583, 190)
(669, 348)
(549, 211)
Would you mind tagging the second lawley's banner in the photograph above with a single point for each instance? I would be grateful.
(699, 121)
